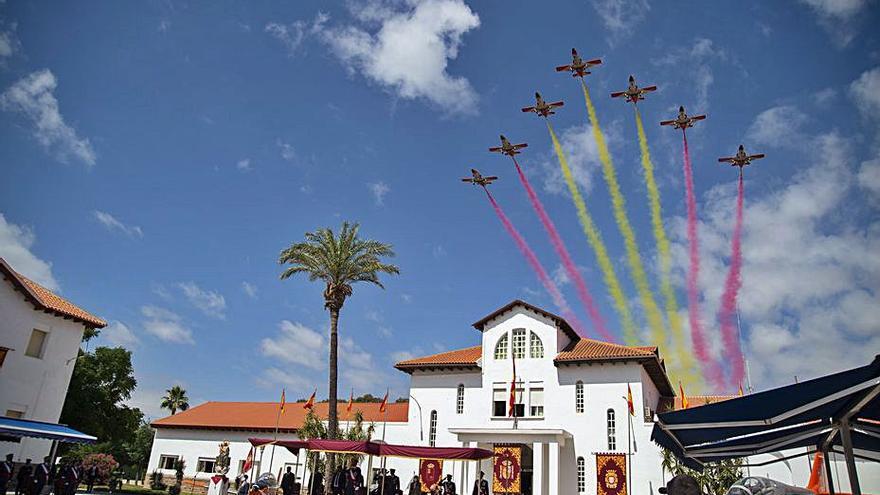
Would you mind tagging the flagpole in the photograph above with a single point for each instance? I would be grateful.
(275, 437)
(629, 452)
(384, 425)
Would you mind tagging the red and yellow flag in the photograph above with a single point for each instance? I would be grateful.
(282, 400)
(740, 390)
(311, 402)
(384, 405)
(629, 401)
(684, 398)
(511, 412)
(249, 461)
(350, 401)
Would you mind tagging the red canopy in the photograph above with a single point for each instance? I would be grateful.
(378, 449)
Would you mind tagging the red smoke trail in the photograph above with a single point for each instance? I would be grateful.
(533, 261)
(567, 262)
(727, 312)
(711, 370)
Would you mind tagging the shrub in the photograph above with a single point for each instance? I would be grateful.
(173, 490)
(156, 481)
(105, 464)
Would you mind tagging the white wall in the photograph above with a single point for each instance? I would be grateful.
(36, 386)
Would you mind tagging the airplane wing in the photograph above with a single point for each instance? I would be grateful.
(467, 180)
(755, 157)
(698, 117)
(495, 149)
(667, 122)
(649, 88)
(562, 68)
(727, 159)
(556, 104)
(597, 61)
(524, 145)
(491, 178)
(528, 109)
(618, 94)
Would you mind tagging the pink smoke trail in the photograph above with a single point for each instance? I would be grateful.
(533, 261)
(567, 262)
(711, 370)
(727, 312)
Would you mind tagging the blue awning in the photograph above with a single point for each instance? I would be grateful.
(17, 428)
(814, 413)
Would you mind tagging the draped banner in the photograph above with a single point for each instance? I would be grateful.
(506, 469)
(611, 474)
(430, 472)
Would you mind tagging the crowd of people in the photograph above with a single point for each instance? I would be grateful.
(32, 479)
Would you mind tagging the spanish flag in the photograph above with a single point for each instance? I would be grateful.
(350, 401)
(311, 402)
(511, 412)
(384, 405)
(248, 462)
(282, 400)
(629, 401)
(740, 390)
(684, 398)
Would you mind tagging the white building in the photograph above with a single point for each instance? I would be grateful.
(571, 406)
(40, 335)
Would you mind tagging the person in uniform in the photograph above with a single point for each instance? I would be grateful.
(318, 483)
(354, 480)
(23, 478)
(287, 482)
(41, 477)
(415, 486)
(243, 486)
(58, 478)
(91, 476)
(72, 478)
(6, 469)
(481, 486)
(338, 482)
(448, 485)
(392, 483)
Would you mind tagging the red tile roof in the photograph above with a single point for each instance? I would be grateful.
(593, 350)
(560, 321)
(693, 401)
(46, 300)
(262, 415)
(458, 358)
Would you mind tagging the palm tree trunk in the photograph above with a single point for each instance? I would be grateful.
(332, 419)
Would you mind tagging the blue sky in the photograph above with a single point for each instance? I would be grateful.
(157, 157)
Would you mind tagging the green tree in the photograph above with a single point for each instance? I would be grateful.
(339, 261)
(138, 449)
(101, 382)
(175, 399)
(716, 477)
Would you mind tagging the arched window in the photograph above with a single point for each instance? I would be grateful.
(582, 475)
(519, 343)
(459, 399)
(612, 430)
(501, 348)
(579, 397)
(432, 430)
(536, 347)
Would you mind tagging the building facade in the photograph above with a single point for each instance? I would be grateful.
(40, 336)
(570, 402)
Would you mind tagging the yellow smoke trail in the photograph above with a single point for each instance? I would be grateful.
(633, 258)
(594, 237)
(678, 342)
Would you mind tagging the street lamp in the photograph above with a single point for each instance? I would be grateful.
(421, 423)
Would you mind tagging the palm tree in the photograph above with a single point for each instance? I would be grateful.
(339, 261)
(175, 398)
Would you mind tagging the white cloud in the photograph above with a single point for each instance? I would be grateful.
(778, 126)
(244, 165)
(560, 276)
(869, 175)
(811, 279)
(293, 35)
(838, 17)
(9, 43)
(272, 377)
(399, 356)
(34, 97)
(297, 344)
(287, 151)
(620, 17)
(118, 334)
(409, 51)
(407, 298)
(109, 221)
(166, 325)
(582, 156)
(249, 289)
(148, 401)
(209, 302)
(164, 25)
(379, 190)
(15, 247)
(692, 64)
(866, 92)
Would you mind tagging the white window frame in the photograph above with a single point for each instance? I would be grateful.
(518, 343)
(162, 462)
(533, 413)
(581, 474)
(611, 423)
(43, 344)
(579, 397)
(459, 399)
(501, 348)
(432, 429)
(200, 464)
(536, 347)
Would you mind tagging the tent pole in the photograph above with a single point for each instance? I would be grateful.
(828, 472)
(850, 460)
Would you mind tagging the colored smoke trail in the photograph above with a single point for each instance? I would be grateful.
(570, 268)
(533, 261)
(727, 312)
(663, 253)
(594, 237)
(710, 368)
(633, 258)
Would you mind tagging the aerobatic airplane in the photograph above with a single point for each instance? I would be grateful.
(683, 121)
(741, 159)
(508, 149)
(578, 67)
(541, 107)
(634, 93)
(478, 179)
